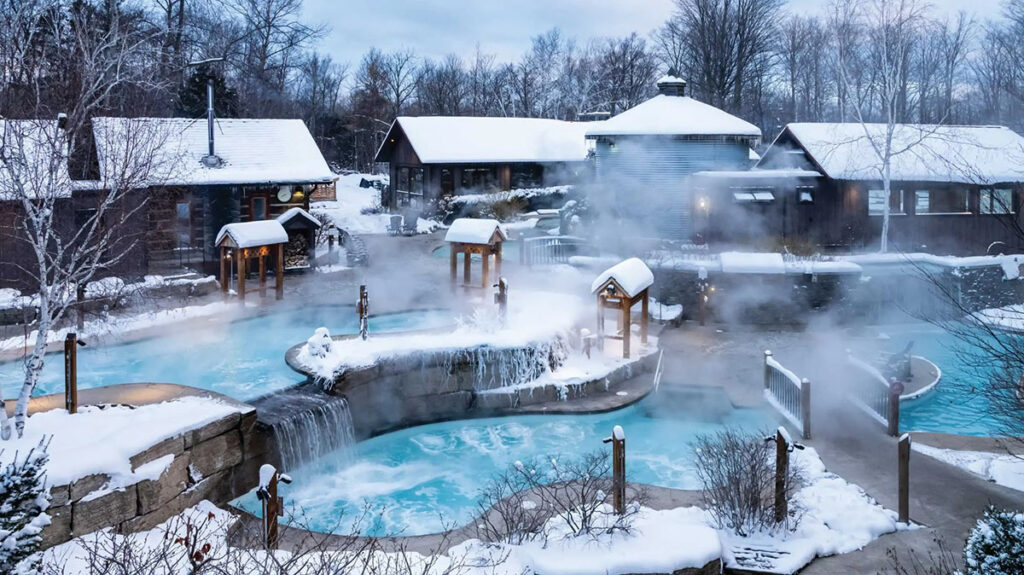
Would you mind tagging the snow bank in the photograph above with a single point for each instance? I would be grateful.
(101, 441)
(533, 318)
(752, 263)
(1009, 318)
(1005, 469)
(346, 210)
(632, 275)
(474, 231)
(517, 194)
(662, 312)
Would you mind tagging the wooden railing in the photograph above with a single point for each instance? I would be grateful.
(788, 393)
(877, 397)
(550, 249)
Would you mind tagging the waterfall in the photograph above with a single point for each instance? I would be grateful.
(306, 424)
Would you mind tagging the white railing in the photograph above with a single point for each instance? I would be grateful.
(787, 393)
(550, 249)
(871, 392)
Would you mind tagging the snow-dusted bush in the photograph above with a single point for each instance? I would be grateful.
(996, 544)
(737, 471)
(554, 499)
(319, 344)
(23, 502)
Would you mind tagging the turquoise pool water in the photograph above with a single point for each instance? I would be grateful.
(421, 479)
(957, 405)
(509, 253)
(243, 359)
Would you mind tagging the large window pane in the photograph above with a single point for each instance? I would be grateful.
(876, 202)
(997, 201)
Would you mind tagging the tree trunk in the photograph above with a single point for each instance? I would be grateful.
(34, 365)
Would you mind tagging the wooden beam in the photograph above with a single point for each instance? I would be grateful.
(485, 273)
(263, 275)
(454, 263)
(240, 256)
(279, 273)
(643, 319)
(497, 260)
(626, 335)
(225, 271)
(467, 258)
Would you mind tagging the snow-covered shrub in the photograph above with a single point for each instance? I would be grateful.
(996, 544)
(737, 471)
(319, 344)
(554, 498)
(24, 499)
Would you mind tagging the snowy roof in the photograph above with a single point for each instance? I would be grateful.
(33, 156)
(474, 231)
(757, 174)
(925, 153)
(262, 151)
(472, 140)
(632, 275)
(665, 115)
(300, 213)
(253, 234)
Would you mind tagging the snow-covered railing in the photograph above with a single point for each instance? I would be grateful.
(547, 250)
(787, 393)
(872, 393)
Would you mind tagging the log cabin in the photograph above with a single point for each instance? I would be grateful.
(434, 157)
(954, 189)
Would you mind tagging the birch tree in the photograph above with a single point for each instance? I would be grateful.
(891, 27)
(35, 179)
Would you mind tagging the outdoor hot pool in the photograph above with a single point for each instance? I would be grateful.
(427, 478)
(243, 359)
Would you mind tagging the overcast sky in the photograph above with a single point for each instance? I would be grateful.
(504, 27)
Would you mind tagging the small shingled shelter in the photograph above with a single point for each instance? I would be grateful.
(246, 240)
(470, 236)
(620, 287)
(300, 252)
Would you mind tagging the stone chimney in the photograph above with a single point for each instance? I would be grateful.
(672, 85)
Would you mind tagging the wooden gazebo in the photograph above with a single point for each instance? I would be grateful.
(243, 241)
(468, 236)
(620, 287)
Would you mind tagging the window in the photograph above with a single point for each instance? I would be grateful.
(409, 190)
(996, 201)
(876, 202)
(943, 201)
(746, 196)
(479, 179)
(183, 224)
(527, 176)
(805, 194)
(258, 206)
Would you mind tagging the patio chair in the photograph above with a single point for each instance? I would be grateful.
(409, 224)
(395, 227)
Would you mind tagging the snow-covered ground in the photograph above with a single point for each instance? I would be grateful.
(1009, 318)
(103, 440)
(838, 517)
(1001, 468)
(663, 312)
(533, 318)
(120, 325)
(346, 211)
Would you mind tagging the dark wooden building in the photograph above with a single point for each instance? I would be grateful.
(433, 157)
(954, 189)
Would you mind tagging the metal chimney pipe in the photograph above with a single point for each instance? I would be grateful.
(209, 113)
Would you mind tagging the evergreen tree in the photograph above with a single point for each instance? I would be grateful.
(996, 544)
(192, 96)
(24, 499)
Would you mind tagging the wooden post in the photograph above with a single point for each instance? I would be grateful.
(781, 467)
(895, 390)
(279, 273)
(71, 373)
(904, 477)
(618, 441)
(600, 322)
(767, 370)
(485, 274)
(225, 271)
(497, 260)
(805, 407)
(626, 332)
(80, 306)
(241, 255)
(454, 264)
(644, 319)
(702, 304)
(271, 510)
(467, 260)
(263, 274)
(363, 307)
(501, 298)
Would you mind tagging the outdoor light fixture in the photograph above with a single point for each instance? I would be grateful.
(609, 291)
(703, 203)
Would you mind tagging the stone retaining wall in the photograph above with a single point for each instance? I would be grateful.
(219, 462)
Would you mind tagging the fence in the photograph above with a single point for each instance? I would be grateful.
(871, 392)
(788, 393)
(550, 250)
